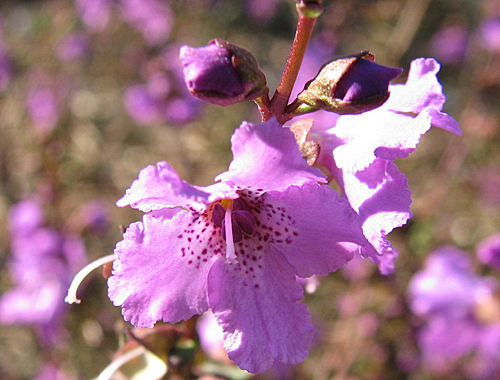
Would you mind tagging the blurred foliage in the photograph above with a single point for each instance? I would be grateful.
(95, 151)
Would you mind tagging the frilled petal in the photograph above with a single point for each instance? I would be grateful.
(260, 312)
(161, 268)
(381, 133)
(266, 156)
(421, 89)
(381, 196)
(444, 121)
(309, 226)
(387, 254)
(160, 186)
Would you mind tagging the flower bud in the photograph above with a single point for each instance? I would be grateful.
(222, 73)
(349, 85)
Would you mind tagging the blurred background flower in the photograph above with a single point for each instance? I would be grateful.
(461, 313)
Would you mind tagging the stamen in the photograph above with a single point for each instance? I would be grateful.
(71, 297)
(218, 215)
(228, 227)
(240, 204)
(245, 221)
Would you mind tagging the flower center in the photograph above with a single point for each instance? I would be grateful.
(233, 216)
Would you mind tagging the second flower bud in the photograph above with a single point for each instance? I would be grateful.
(222, 73)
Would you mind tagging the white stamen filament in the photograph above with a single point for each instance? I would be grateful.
(228, 225)
(71, 297)
(121, 360)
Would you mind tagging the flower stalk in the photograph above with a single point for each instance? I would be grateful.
(308, 12)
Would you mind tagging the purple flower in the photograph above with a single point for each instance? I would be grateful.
(360, 150)
(490, 34)
(146, 108)
(41, 264)
(449, 44)
(261, 10)
(140, 105)
(152, 18)
(44, 99)
(235, 247)
(43, 109)
(95, 216)
(94, 13)
(460, 313)
(51, 372)
(72, 47)
(222, 73)
(5, 67)
(164, 97)
(488, 252)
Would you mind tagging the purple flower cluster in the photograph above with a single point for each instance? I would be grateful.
(460, 310)
(238, 246)
(41, 264)
(242, 247)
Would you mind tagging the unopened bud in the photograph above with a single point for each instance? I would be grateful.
(222, 73)
(349, 85)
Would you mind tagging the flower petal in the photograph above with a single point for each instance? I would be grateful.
(160, 186)
(379, 133)
(162, 267)
(381, 196)
(314, 221)
(266, 156)
(260, 313)
(421, 90)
